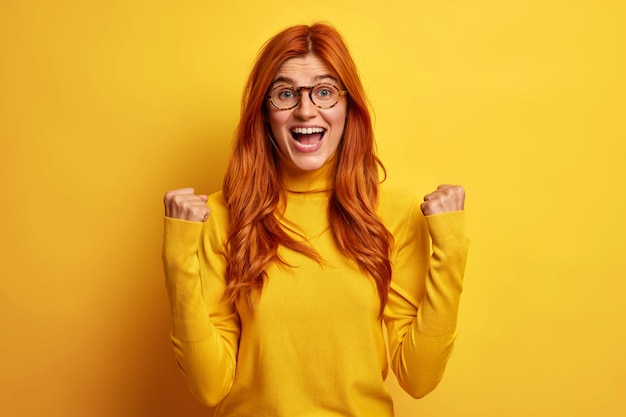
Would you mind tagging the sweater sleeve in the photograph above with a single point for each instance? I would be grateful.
(205, 329)
(421, 311)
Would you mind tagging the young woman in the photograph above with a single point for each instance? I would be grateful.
(279, 285)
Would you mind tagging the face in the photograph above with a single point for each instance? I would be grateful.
(307, 136)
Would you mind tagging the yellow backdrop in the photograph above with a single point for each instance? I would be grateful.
(105, 105)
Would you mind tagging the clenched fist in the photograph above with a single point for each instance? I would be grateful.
(444, 199)
(183, 204)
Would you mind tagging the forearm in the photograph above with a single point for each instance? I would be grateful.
(190, 319)
(438, 311)
(424, 329)
(204, 330)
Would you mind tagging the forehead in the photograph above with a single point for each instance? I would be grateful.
(305, 70)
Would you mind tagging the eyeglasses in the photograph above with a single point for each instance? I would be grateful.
(322, 95)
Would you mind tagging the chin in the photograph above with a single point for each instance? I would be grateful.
(308, 164)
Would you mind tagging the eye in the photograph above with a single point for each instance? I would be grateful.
(324, 92)
(285, 93)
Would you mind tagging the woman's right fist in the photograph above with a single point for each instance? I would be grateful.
(183, 204)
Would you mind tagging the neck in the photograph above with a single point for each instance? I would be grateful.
(297, 180)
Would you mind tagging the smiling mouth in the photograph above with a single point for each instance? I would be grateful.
(308, 137)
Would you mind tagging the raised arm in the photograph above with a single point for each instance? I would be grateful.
(205, 329)
(421, 313)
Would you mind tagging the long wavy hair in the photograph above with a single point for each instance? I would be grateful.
(253, 187)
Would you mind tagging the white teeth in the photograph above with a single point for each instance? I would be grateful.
(307, 130)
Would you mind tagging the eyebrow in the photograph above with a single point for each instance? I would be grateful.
(315, 79)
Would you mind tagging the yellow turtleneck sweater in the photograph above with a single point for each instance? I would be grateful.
(314, 345)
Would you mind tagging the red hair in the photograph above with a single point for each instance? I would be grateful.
(253, 188)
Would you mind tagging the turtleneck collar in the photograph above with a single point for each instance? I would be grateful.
(319, 180)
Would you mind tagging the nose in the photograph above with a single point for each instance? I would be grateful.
(305, 108)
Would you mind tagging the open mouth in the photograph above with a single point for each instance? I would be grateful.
(307, 138)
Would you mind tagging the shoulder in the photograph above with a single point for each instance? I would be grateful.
(217, 202)
(399, 209)
(393, 197)
(219, 217)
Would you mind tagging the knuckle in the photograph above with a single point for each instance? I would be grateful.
(177, 194)
(168, 196)
(180, 200)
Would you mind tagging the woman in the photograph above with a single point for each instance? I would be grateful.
(279, 284)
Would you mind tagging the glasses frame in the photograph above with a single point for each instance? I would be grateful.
(298, 91)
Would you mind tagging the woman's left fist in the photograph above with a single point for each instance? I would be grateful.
(444, 199)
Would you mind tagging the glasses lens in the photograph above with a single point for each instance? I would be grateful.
(285, 97)
(325, 95)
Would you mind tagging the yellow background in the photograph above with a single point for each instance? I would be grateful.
(105, 105)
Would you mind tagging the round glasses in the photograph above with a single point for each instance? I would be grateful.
(322, 95)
